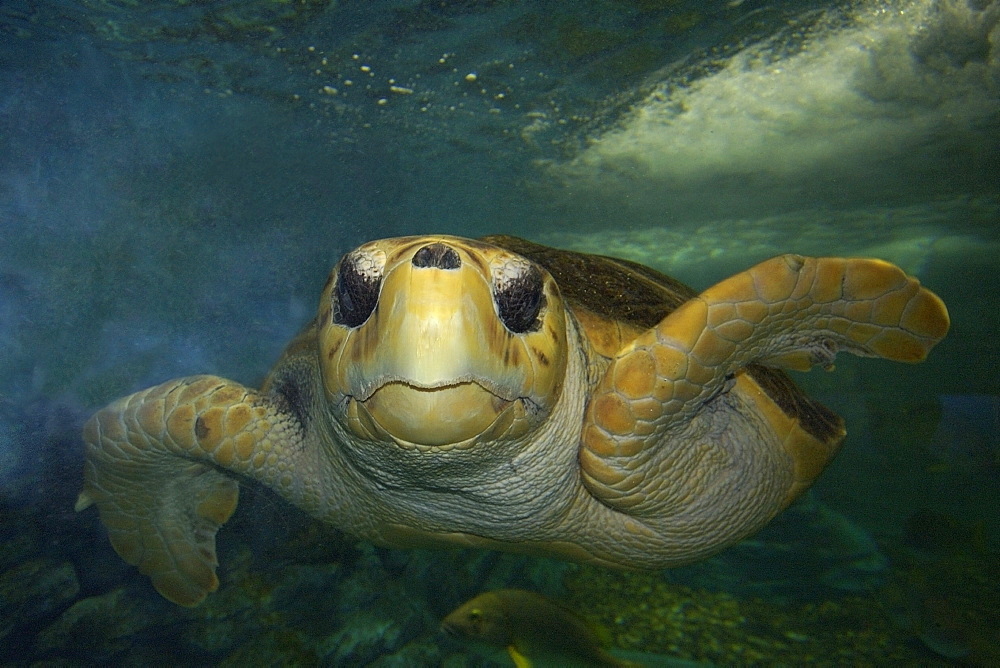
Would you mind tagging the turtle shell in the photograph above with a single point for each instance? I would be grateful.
(615, 300)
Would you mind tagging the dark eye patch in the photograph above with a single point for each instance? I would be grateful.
(519, 300)
(356, 293)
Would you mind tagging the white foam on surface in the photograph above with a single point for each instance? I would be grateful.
(875, 81)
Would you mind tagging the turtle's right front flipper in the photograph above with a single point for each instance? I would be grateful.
(157, 468)
(790, 311)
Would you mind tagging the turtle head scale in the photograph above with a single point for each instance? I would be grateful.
(440, 342)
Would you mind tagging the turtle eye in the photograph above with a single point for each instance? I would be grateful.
(356, 293)
(518, 296)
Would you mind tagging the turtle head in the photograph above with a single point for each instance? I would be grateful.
(440, 342)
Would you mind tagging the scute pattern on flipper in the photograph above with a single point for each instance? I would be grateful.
(191, 541)
(161, 522)
(810, 305)
(156, 469)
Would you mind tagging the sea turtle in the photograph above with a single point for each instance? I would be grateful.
(501, 394)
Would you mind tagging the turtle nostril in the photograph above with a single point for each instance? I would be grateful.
(437, 256)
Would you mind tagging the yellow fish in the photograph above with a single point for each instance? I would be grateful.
(535, 630)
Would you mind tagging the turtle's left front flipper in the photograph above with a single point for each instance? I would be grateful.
(789, 311)
(158, 467)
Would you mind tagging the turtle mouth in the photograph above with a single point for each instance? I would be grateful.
(436, 415)
(369, 389)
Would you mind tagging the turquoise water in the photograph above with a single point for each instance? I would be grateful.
(177, 178)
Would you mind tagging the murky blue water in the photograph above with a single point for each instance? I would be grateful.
(176, 180)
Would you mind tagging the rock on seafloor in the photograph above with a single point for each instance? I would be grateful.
(33, 591)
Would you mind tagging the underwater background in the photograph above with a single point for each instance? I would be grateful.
(178, 176)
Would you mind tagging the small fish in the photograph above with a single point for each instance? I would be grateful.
(535, 630)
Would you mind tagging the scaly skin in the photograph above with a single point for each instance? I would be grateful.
(681, 453)
(153, 461)
(788, 311)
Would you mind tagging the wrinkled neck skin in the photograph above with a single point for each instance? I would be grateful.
(527, 494)
(503, 489)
